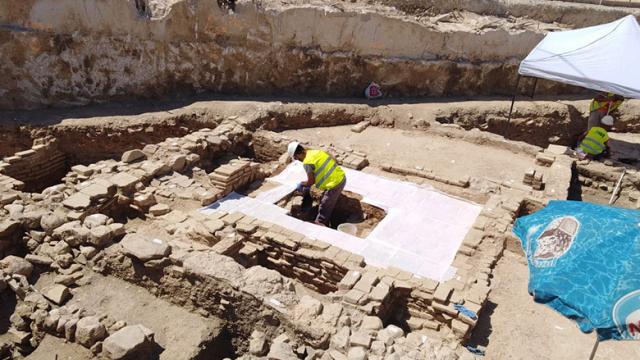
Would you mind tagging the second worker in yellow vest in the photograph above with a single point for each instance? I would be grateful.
(323, 172)
(601, 105)
(594, 144)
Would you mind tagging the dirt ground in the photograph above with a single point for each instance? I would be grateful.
(52, 348)
(123, 301)
(514, 327)
(445, 156)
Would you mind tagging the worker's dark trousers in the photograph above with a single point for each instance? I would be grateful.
(328, 202)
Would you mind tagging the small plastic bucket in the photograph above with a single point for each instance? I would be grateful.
(348, 228)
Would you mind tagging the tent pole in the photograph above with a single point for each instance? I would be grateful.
(535, 84)
(595, 348)
(615, 190)
(513, 100)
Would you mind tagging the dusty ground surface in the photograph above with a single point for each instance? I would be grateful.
(450, 157)
(53, 347)
(430, 135)
(132, 304)
(515, 327)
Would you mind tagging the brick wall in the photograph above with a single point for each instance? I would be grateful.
(41, 166)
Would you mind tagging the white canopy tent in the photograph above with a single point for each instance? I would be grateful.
(602, 57)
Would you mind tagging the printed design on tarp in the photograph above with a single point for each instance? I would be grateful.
(626, 315)
(555, 241)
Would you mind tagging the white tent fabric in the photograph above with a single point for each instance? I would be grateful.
(603, 57)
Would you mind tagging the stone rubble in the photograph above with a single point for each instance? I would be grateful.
(225, 264)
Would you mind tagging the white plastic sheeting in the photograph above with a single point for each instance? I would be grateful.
(421, 233)
(603, 57)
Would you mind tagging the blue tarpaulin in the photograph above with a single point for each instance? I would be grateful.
(584, 262)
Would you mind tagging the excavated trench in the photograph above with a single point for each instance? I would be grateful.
(349, 209)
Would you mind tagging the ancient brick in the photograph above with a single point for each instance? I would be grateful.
(380, 292)
(77, 201)
(246, 227)
(473, 238)
(442, 293)
(459, 328)
(480, 223)
(349, 280)
(428, 285)
(232, 218)
(353, 296)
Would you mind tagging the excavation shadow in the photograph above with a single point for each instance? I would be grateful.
(483, 328)
(7, 308)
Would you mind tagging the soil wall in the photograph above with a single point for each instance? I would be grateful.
(68, 52)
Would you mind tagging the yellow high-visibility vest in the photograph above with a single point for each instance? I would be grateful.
(594, 142)
(326, 171)
(603, 105)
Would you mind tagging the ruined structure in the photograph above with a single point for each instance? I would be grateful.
(120, 231)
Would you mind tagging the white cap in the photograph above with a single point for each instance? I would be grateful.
(607, 120)
(291, 149)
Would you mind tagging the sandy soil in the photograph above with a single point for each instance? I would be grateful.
(123, 301)
(514, 327)
(52, 348)
(445, 156)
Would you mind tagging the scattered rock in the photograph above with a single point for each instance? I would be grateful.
(307, 307)
(59, 294)
(133, 156)
(371, 323)
(258, 343)
(39, 260)
(77, 201)
(95, 220)
(67, 280)
(178, 163)
(64, 260)
(89, 330)
(389, 334)
(117, 326)
(130, 342)
(340, 340)
(100, 235)
(359, 127)
(159, 209)
(16, 265)
(357, 353)
(18, 322)
(145, 200)
(49, 222)
(143, 248)
(281, 349)
(123, 180)
(88, 251)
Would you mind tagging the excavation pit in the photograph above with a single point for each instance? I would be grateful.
(434, 206)
(423, 243)
(349, 209)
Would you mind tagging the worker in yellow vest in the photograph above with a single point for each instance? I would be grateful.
(323, 172)
(603, 104)
(594, 144)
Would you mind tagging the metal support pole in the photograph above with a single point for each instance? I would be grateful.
(595, 348)
(535, 84)
(513, 100)
(615, 190)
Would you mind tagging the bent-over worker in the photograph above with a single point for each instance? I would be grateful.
(323, 172)
(603, 104)
(594, 144)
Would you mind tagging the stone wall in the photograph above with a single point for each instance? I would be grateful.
(42, 165)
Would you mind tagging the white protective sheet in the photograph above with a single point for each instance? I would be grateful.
(603, 57)
(421, 233)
